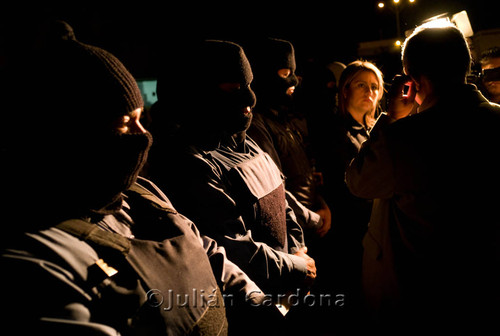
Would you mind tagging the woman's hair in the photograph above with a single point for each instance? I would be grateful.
(348, 75)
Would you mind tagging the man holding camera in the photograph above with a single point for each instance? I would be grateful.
(431, 250)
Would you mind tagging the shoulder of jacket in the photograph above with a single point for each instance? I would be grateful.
(148, 191)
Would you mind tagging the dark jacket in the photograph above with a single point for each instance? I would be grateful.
(235, 195)
(284, 138)
(158, 276)
(345, 137)
(432, 242)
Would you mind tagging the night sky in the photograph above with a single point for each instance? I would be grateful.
(321, 30)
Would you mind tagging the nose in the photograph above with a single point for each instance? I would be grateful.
(249, 97)
(136, 127)
(370, 91)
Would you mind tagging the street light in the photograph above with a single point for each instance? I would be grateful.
(396, 7)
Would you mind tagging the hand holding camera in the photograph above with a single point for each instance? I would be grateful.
(401, 97)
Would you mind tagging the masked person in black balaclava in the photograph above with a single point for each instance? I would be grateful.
(223, 180)
(280, 131)
(88, 246)
(274, 70)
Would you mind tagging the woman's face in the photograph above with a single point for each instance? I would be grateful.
(362, 94)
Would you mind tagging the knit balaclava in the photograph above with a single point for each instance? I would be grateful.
(67, 97)
(226, 62)
(267, 57)
(196, 98)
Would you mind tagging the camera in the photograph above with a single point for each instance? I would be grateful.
(491, 75)
(487, 75)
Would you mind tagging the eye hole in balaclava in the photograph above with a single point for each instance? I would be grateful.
(287, 74)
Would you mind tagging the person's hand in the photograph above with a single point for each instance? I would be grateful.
(401, 103)
(310, 265)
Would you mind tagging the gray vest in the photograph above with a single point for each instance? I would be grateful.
(167, 259)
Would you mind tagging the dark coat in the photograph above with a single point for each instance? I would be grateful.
(431, 250)
(284, 139)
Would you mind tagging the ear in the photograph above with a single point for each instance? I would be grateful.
(417, 82)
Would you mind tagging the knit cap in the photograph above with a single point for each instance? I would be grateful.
(78, 81)
(271, 54)
(65, 98)
(225, 61)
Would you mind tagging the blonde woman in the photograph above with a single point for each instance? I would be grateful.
(361, 87)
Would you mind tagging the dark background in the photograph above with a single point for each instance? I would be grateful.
(321, 30)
